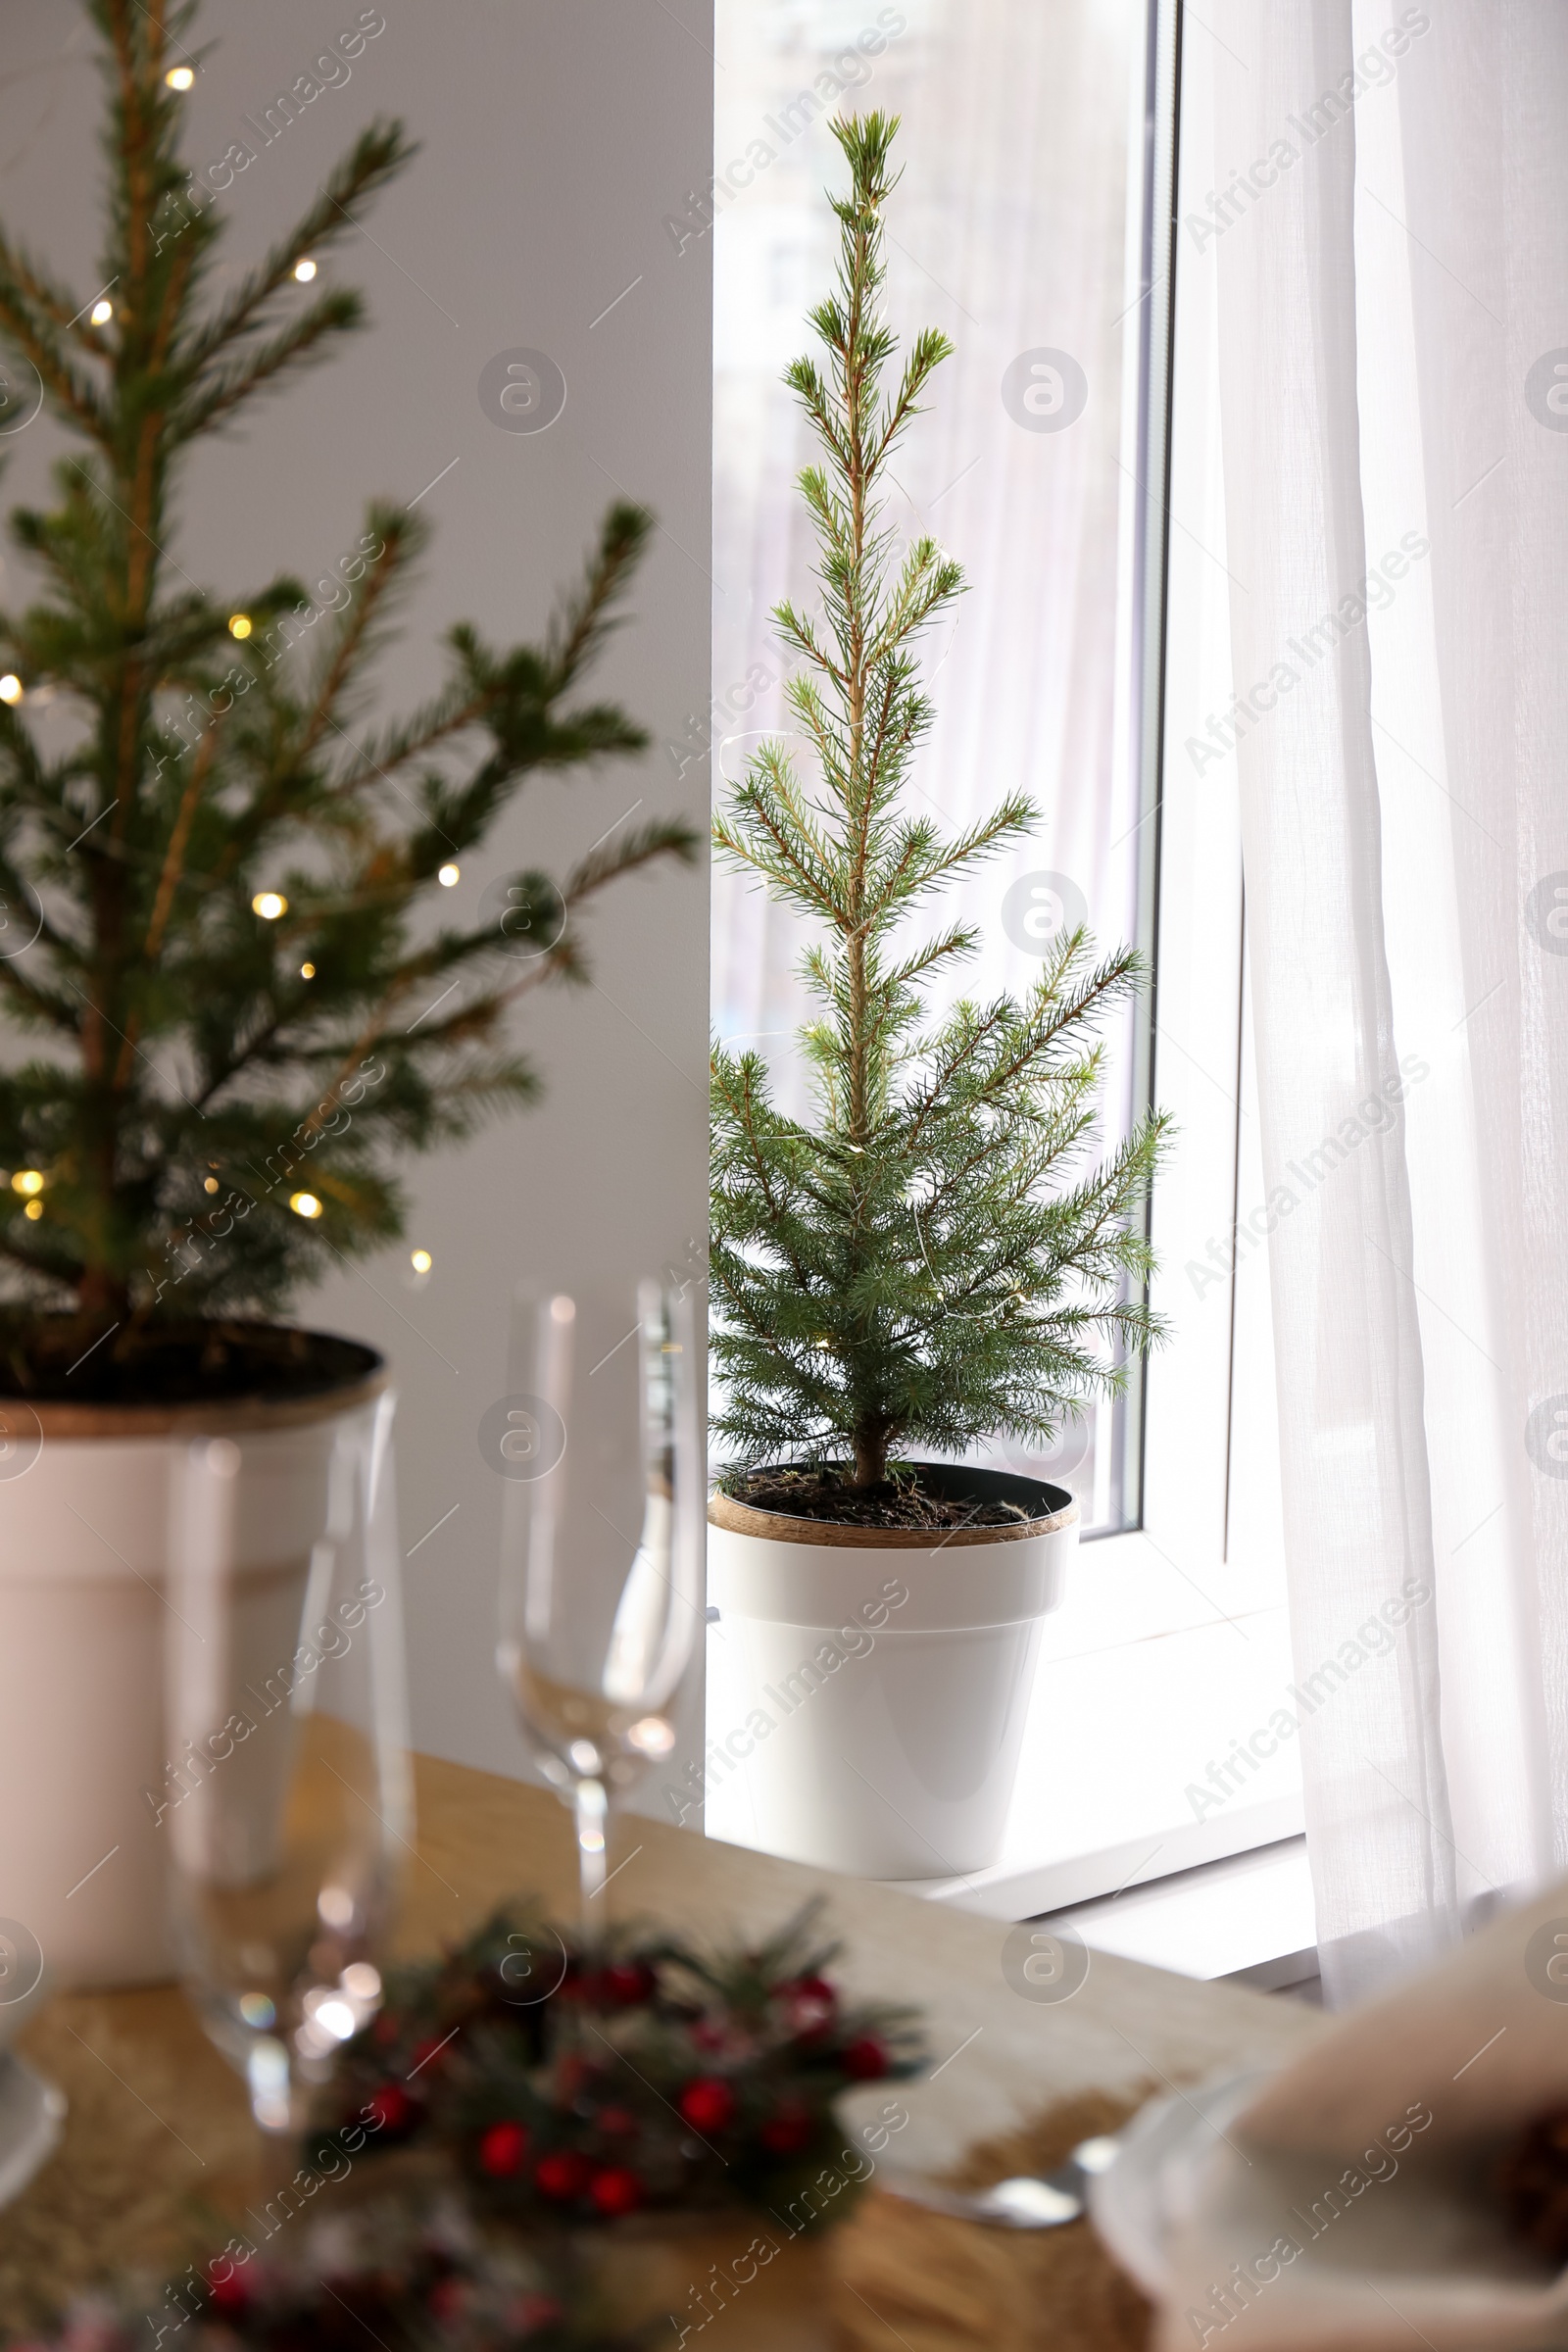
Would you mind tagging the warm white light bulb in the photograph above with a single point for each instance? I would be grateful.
(305, 1204)
(651, 1736)
(9, 687)
(268, 904)
(102, 313)
(448, 874)
(304, 271)
(421, 1261)
(180, 77)
(240, 625)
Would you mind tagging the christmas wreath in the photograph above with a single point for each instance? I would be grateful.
(587, 2083)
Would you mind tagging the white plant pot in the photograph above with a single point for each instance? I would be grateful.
(84, 1535)
(873, 1691)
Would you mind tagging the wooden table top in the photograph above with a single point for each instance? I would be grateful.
(157, 2120)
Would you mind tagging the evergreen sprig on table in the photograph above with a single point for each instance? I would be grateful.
(408, 2279)
(924, 1261)
(648, 2072)
(208, 856)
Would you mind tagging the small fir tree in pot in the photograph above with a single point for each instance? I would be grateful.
(922, 1264)
(228, 1025)
(210, 884)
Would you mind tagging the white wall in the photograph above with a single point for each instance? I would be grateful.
(557, 135)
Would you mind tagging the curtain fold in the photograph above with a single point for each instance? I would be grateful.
(1390, 225)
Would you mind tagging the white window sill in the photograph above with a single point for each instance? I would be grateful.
(1142, 1687)
(1116, 1738)
(1252, 1918)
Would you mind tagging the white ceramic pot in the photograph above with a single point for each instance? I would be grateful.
(86, 1494)
(874, 1691)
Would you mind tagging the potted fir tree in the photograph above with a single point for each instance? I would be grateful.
(224, 1020)
(919, 1265)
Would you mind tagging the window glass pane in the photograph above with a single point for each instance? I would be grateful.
(1018, 230)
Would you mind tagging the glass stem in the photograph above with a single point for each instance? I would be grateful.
(277, 2109)
(593, 1823)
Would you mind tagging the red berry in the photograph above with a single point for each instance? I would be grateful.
(562, 2176)
(624, 1983)
(232, 2293)
(389, 2109)
(864, 2059)
(617, 2189)
(708, 2104)
(502, 2150)
(428, 2055)
(529, 2313)
(788, 2129)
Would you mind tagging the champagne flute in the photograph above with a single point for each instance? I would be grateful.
(288, 1802)
(602, 1547)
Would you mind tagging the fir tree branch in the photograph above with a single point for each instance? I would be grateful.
(28, 285)
(786, 859)
(446, 716)
(961, 940)
(605, 864)
(800, 634)
(395, 530)
(52, 1010)
(26, 331)
(296, 344)
(380, 154)
(587, 618)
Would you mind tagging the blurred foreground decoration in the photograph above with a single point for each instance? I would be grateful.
(586, 2084)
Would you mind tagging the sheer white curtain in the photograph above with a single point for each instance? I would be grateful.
(1390, 220)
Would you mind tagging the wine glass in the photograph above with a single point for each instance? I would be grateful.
(288, 1797)
(602, 1546)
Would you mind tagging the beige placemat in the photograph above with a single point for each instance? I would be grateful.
(902, 2275)
(155, 2122)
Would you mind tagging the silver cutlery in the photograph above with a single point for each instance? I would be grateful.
(1026, 2201)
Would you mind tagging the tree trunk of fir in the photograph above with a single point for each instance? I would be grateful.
(100, 1297)
(871, 1460)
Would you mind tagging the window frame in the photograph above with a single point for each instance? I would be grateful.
(1182, 1614)
(1203, 1566)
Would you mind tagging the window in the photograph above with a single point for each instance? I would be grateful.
(1035, 228)
(1036, 489)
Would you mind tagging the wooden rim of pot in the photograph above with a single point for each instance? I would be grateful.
(744, 1519)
